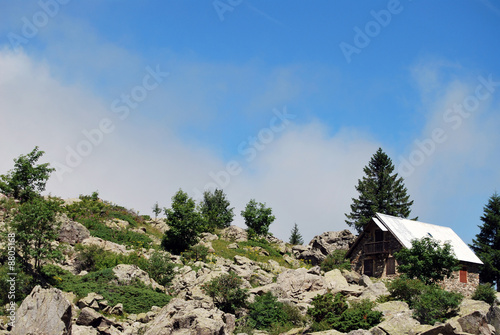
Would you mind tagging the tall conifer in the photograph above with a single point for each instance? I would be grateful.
(487, 243)
(381, 191)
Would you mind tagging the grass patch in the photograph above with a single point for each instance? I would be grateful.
(247, 249)
(136, 298)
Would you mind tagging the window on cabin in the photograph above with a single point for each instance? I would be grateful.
(368, 267)
(379, 235)
(390, 266)
(463, 275)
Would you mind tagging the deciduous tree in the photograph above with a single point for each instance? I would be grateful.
(27, 179)
(258, 218)
(185, 224)
(427, 260)
(215, 210)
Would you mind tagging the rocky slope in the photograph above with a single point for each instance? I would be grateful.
(294, 278)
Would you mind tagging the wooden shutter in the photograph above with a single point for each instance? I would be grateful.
(463, 275)
(390, 266)
(368, 267)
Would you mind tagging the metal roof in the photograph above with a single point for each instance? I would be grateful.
(407, 230)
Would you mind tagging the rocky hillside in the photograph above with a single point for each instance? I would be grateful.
(114, 278)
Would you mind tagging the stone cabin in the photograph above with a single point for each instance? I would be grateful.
(372, 253)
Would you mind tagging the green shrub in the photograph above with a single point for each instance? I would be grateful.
(406, 289)
(24, 283)
(430, 303)
(336, 260)
(436, 305)
(195, 253)
(94, 258)
(161, 268)
(226, 292)
(266, 311)
(485, 292)
(333, 312)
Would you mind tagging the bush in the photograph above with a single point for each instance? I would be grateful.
(161, 268)
(195, 253)
(430, 303)
(336, 260)
(485, 292)
(406, 289)
(226, 292)
(333, 312)
(436, 305)
(427, 260)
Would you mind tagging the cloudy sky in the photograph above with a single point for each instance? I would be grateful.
(283, 102)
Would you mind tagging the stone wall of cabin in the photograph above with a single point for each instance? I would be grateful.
(453, 283)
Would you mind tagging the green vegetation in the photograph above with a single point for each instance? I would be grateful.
(195, 253)
(185, 224)
(215, 210)
(136, 298)
(485, 292)
(295, 236)
(267, 313)
(35, 228)
(27, 180)
(427, 260)
(93, 213)
(93, 258)
(258, 218)
(249, 249)
(486, 245)
(379, 191)
(227, 292)
(333, 312)
(336, 260)
(430, 303)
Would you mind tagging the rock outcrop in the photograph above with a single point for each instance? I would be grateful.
(44, 312)
(71, 232)
(126, 273)
(234, 233)
(324, 244)
(191, 317)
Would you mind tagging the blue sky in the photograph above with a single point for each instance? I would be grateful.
(283, 102)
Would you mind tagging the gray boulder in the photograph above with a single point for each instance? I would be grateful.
(493, 318)
(324, 244)
(234, 233)
(190, 317)
(44, 312)
(71, 232)
(297, 282)
(127, 273)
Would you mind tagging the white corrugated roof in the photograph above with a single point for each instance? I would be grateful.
(407, 230)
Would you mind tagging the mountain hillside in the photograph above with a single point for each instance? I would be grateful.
(114, 277)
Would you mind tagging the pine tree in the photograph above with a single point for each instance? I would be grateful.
(156, 210)
(487, 243)
(295, 236)
(379, 191)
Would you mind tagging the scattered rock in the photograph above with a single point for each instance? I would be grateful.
(44, 312)
(126, 273)
(233, 246)
(475, 323)
(352, 277)
(107, 245)
(189, 317)
(234, 233)
(374, 291)
(296, 282)
(324, 244)
(117, 224)
(335, 281)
